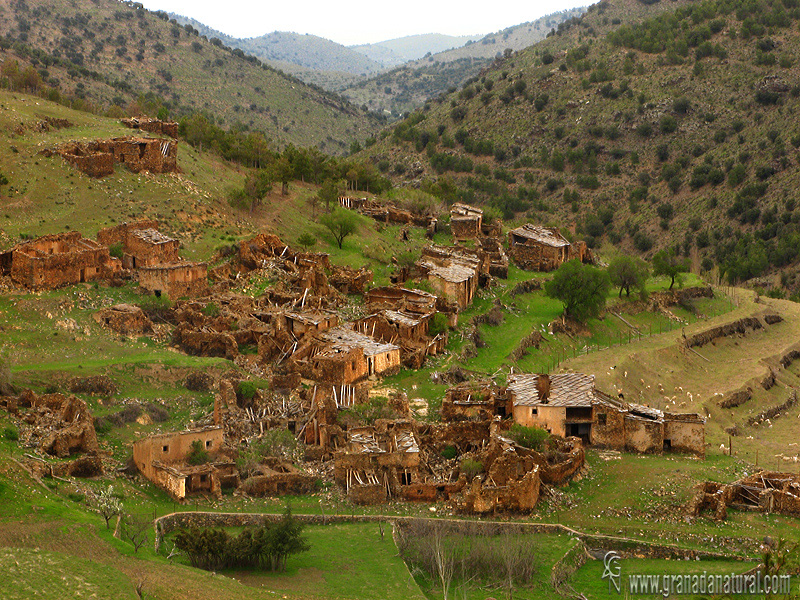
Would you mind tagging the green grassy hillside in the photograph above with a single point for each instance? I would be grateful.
(108, 53)
(679, 132)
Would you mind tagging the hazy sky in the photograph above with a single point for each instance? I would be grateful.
(352, 22)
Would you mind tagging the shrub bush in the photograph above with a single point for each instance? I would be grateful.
(529, 437)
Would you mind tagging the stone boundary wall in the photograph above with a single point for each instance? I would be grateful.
(567, 565)
(736, 327)
(625, 547)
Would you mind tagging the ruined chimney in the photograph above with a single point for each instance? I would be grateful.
(543, 387)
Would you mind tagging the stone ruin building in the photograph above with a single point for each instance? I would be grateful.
(97, 158)
(56, 260)
(184, 279)
(465, 221)
(59, 426)
(154, 256)
(763, 491)
(568, 404)
(142, 244)
(125, 319)
(377, 461)
(162, 459)
(342, 356)
(453, 272)
(538, 248)
(479, 400)
(155, 126)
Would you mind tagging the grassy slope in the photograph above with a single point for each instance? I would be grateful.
(46, 195)
(721, 93)
(206, 78)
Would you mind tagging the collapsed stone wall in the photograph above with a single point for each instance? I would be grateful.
(60, 259)
(100, 385)
(125, 319)
(97, 158)
(740, 327)
(175, 280)
(156, 126)
(57, 424)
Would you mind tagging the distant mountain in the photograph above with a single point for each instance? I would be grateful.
(288, 48)
(393, 53)
(408, 86)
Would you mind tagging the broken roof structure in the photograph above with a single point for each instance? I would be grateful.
(400, 298)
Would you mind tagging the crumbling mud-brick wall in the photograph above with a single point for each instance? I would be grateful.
(60, 259)
(108, 236)
(350, 281)
(401, 299)
(643, 435)
(465, 221)
(684, 433)
(470, 401)
(515, 497)
(125, 319)
(280, 478)
(608, 427)
(97, 158)
(60, 425)
(175, 280)
(95, 164)
(156, 126)
(150, 247)
(205, 343)
(145, 154)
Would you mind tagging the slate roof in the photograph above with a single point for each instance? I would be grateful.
(542, 235)
(566, 389)
(342, 339)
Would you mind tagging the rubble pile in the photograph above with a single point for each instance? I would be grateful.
(59, 425)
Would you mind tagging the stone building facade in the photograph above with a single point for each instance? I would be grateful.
(56, 260)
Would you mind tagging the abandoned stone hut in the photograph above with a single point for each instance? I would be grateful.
(568, 404)
(473, 401)
(401, 299)
(378, 461)
(97, 158)
(162, 458)
(56, 260)
(537, 248)
(465, 221)
(143, 245)
(453, 272)
(341, 356)
(310, 321)
(182, 279)
(406, 329)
